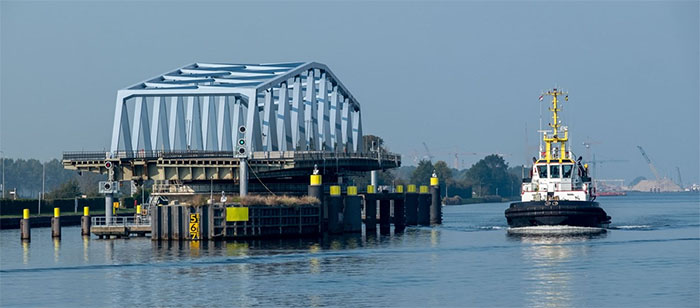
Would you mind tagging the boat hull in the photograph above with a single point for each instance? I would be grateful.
(556, 213)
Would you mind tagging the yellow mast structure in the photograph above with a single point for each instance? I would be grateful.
(555, 138)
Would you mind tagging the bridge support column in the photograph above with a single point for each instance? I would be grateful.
(243, 175)
(373, 178)
(108, 209)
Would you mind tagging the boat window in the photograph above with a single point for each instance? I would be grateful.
(566, 170)
(554, 171)
(542, 171)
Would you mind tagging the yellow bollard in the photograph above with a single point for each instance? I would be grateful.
(138, 209)
(424, 189)
(25, 214)
(335, 190)
(56, 212)
(86, 211)
(316, 179)
(352, 190)
(370, 189)
(434, 181)
(411, 188)
(399, 188)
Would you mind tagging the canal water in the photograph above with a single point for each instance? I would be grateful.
(650, 257)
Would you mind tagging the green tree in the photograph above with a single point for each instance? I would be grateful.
(384, 177)
(444, 173)
(490, 176)
(421, 176)
(69, 189)
(372, 143)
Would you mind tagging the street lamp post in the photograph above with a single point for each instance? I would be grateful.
(3, 174)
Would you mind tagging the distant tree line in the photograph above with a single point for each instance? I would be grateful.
(26, 177)
(490, 176)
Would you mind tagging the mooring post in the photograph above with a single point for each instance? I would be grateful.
(316, 190)
(384, 213)
(56, 223)
(352, 212)
(167, 223)
(435, 202)
(424, 206)
(399, 209)
(85, 221)
(25, 226)
(156, 218)
(335, 211)
(370, 209)
(411, 205)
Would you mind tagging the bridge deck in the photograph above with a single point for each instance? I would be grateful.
(203, 166)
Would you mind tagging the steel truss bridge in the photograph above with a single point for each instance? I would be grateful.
(185, 127)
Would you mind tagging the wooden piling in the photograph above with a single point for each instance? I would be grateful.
(25, 226)
(156, 218)
(370, 209)
(335, 211)
(399, 213)
(352, 212)
(435, 206)
(56, 223)
(85, 222)
(424, 206)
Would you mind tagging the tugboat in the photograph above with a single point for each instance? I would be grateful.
(559, 191)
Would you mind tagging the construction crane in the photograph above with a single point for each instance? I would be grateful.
(587, 144)
(680, 180)
(651, 165)
(427, 152)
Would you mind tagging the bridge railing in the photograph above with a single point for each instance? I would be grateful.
(127, 221)
(296, 155)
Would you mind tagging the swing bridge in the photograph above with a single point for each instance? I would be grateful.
(193, 129)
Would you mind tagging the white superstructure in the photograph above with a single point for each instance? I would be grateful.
(555, 175)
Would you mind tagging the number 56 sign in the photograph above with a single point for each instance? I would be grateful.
(194, 226)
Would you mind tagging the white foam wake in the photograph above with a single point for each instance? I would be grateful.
(555, 230)
(633, 227)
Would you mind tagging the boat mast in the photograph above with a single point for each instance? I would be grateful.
(555, 125)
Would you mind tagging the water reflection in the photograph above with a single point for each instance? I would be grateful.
(551, 260)
(86, 248)
(25, 252)
(56, 249)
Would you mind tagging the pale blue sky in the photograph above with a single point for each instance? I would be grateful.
(460, 75)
